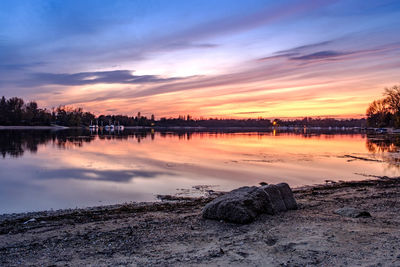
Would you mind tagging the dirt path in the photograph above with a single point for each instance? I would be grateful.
(175, 234)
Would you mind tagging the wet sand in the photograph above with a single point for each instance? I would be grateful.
(174, 233)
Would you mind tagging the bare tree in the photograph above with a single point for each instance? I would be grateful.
(392, 98)
(378, 113)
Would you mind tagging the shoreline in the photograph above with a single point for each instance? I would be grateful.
(174, 233)
(189, 128)
(172, 199)
(34, 127)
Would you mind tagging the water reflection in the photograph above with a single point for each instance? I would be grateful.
(99, 175)
(63, 169)
(386, 146)
(14, 143)
(378, 144)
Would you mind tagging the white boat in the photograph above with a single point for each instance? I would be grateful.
(93, 126)
(119, 127)
(109, 127)
(114, 127)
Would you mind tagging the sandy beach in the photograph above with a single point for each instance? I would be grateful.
(174, 233)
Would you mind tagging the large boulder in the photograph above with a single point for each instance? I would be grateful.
(241, 205)
(275, 198)
(287, 196)
(244, 204)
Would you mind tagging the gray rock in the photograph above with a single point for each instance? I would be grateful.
(287, 196)
(241, 205)
(244, 204)
(352, 212)
(275, 198)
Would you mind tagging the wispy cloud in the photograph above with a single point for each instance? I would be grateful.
(250, 112)
(77, 33)
(276, 75)
(86, 78)
(22, 66)
(322, 55)
(306, 47)
(250, 57)
(303, 53)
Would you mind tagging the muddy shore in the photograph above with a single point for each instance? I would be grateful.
(174, 233)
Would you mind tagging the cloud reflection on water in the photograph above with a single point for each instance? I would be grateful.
(122, 176)
(47, 169)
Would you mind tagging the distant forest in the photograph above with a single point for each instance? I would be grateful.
(15, 112)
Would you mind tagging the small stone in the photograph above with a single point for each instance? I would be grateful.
(270, 241)
(352, 212)
(30, 220)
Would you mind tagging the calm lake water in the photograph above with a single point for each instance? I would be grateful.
(43, 170)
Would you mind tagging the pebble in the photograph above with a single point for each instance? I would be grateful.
(30, 220)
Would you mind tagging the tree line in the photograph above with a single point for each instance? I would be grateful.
(15, 111)
(321, 122)
(385, 112)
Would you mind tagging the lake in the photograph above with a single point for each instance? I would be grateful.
(44, 169)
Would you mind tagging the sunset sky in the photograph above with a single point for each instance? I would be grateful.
(211, 58)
